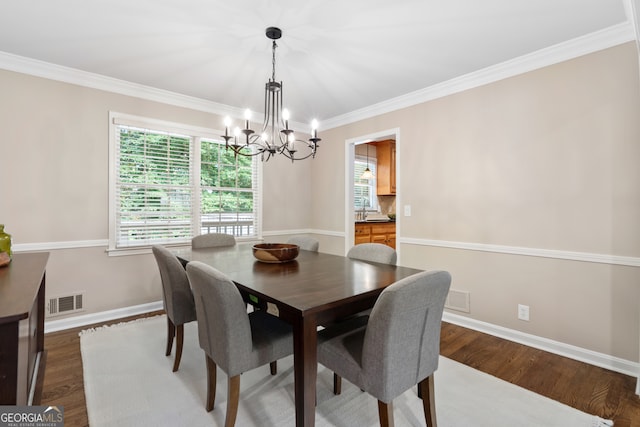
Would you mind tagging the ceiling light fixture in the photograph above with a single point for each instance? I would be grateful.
(275, 136)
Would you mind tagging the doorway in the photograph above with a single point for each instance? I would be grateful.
(350, 158)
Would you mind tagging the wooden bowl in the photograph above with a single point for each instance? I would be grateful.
(275, 252)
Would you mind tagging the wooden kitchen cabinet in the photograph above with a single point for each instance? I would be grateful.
(362, 234)
(384, 233)
(386, 167)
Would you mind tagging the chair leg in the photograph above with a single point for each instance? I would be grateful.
(211, 383)
(337, 384)
(428, 400)
(171, 332)
(385, 411)
(233, 396)
(179, 342)
(273, 366)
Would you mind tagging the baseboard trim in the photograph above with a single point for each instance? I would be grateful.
(103, 316)
(605, 361)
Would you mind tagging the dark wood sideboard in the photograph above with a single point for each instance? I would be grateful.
(22, 353)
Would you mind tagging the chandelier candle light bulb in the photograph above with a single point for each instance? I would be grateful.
(276, 124)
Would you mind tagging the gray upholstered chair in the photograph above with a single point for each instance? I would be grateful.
(176, 298)
(211, 240)
(374, 252)
(398, 347)
(231, 338)
(306, 243)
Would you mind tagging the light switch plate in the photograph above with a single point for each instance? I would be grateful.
(407, 210)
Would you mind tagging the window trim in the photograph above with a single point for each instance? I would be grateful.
(197, 133)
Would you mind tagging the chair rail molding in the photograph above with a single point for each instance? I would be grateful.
(535, 252)
(48, 246)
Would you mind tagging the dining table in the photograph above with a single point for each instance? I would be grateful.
(312, 290)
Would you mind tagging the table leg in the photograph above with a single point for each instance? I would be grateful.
(305, 360)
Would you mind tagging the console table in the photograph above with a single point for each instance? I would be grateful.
(22, 354)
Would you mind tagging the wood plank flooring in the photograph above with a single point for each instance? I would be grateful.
(582, 386)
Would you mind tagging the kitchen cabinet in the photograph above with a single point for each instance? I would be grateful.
(384, 233)
(362, 234)
(386, 167)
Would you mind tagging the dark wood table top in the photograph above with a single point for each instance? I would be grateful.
(19, 285)
(311, 283)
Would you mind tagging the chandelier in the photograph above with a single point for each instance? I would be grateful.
(275, 137)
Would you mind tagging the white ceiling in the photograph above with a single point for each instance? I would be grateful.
(335, 57)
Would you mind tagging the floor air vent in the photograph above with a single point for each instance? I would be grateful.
(458, 300)
(65, 304)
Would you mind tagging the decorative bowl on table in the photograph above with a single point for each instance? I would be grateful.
(275, 252)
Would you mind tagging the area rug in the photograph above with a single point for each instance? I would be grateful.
(128, 382)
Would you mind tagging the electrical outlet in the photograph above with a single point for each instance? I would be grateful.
(523, 312)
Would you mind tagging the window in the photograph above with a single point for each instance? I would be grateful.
(364, 191)
(227, 191)
(170, 182)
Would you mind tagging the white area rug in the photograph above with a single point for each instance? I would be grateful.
(128, 382)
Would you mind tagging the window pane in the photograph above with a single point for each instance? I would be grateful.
(228, 176)
(225, 209)
(210, 202)
(365, 195)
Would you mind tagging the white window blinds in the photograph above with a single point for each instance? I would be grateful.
(364, 190)
(154, 187)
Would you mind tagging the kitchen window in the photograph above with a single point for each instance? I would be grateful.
(170, 182)
(364, 191)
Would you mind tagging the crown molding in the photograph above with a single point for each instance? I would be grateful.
(609, 37)
(34, 67)
(600, 40)
(632, 10)
(60, 73)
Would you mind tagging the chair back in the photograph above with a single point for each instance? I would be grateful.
(177, 297)
(306, 243)
(224, 330)
(373, 252)
(402, 339)
(212, 240)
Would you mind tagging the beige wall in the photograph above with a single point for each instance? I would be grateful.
(544, 160)
(547, 160)
(54, 169)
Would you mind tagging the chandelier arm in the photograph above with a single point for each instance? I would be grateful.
(291, 156)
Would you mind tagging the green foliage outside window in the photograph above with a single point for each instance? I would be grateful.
(226, 180)
(156, 186)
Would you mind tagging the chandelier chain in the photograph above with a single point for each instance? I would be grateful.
(273, 62)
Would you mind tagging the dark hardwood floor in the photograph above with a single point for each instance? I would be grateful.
(582, 386)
